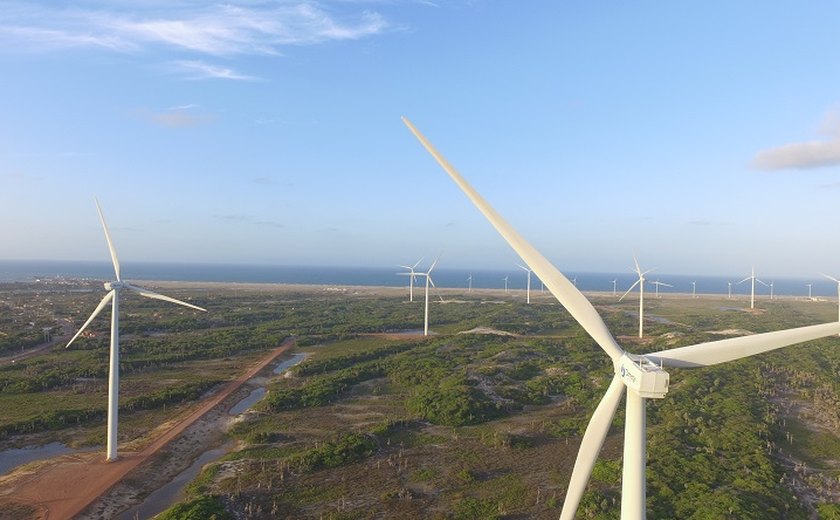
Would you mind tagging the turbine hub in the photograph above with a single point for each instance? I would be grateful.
(643, 376)
(111, 286)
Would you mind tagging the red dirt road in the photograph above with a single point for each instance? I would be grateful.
(65, 486)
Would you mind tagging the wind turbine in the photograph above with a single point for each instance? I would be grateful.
(752, 289)
(641, 283)
(771, 290)
(614, 282)
(469, 283)
(506, 280)
(643, 375)
(730, 290)
(657, 283)
(411, 276)
(809, 291)
(113, 296)
(694, 289)
(833, 279)
(528, 286)
(428, 275)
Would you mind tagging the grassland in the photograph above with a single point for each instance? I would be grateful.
(376, 424)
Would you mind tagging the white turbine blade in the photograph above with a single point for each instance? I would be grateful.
(744, 280)
(567, 294)
(432, 283)
(96, 311)
(523, 267)
(665, 284)
(762, 283)
(590, 446)
(418, 263)
(833, 279)
(630, 289)
(114, 258)
(638, 269)
(403, 274)
(151, 294)
(714, 352)
(405, 267)
(433, 264)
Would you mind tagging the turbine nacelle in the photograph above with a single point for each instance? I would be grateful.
(114, 286)
(642, 376)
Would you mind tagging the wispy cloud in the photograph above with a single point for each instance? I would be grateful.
(806, 155)
(175, 117)
(239, 27)
(193, 69)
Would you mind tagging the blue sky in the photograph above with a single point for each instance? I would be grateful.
(702, 137)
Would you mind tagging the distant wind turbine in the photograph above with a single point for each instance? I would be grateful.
(730, 290)
(643, 376)
(641, 283)
(657, 283)
(411, 277)
(614, 282)
(694, 289)
(506, 280)
(752, 286)
(771, 290)
(528, 285)
(113, 296)
(429, 281)
(809, 291)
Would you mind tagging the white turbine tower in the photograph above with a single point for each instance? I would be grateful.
(694, 289)
(730, 290)
(614, 282)
(752, 286)
(506, 280)
(809, 291)
(528, 285)
(771, 290)
(833, 279)
(657, 283)
(412, 275)
(428, 275)
(469, 283)
(113, 296)
(643, 375)
(641, 283)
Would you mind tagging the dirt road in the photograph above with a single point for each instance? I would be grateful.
(63, 487)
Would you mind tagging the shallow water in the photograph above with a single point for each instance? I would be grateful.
(12, 458)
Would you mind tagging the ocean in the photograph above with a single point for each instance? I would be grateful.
(26, 271)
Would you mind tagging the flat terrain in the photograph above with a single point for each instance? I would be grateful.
(480, 420)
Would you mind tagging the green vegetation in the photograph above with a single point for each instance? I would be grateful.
(204, 508)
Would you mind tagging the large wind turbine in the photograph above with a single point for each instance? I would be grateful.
(113, 296)
(528, 285)
(641, 283)
(643, 375)
(411, 276)
(752, 286)
(428, 275)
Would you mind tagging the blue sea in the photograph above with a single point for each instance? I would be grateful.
(26, 271)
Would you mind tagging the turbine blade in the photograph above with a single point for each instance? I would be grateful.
(523, 267)
(590, 446)
(762, 283)
(630, 289)
(114, 258)
(744, 280)
(665, 284)
(638, 269)
(151, 294)
(418, 263)
(405, 267)
(567, 294)
(433, 264)
(96, 311)
(714, 352)
(833, 279)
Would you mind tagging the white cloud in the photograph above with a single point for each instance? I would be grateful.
(249, 28)
(806, 155)
(815, 154)
(193, 69)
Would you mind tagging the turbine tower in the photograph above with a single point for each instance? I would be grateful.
(469, 283)
(506, 280)
(641, 283)
(428, 275)
(113, 296)
(694, 289)
(412, 275)
(752, 286)
(771, 290)
(833, 279)
(528, 285)
(657, 283)
(809, 291)
(643, 375)
(729, 297)
(614, 282)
